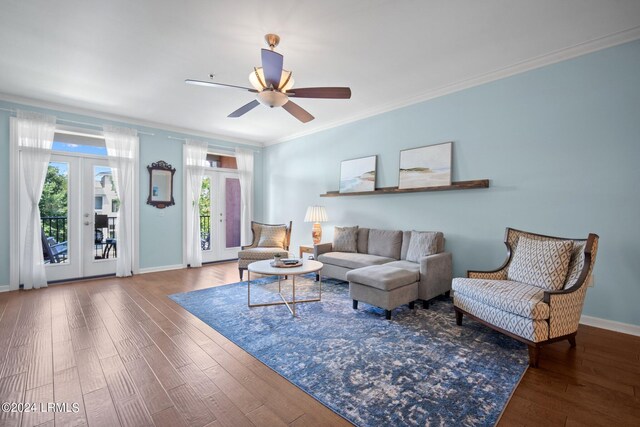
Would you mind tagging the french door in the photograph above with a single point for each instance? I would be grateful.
(79, 212)
(220, 216)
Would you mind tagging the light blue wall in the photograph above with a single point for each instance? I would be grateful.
(160, 229)
(560, 144)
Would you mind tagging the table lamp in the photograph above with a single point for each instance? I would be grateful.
(316, 215)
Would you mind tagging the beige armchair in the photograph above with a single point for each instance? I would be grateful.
(537, 295)
(268, 240)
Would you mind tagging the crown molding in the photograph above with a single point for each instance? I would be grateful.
(560, 55)
(113, 117)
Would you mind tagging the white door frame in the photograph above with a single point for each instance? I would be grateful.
(220, 172)
(14, 203)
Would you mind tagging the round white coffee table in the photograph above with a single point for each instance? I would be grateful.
(264, 267)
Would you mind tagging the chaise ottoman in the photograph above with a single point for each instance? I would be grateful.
(383, 286)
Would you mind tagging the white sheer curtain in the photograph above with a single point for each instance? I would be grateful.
(33, 134)
(195, 156)
(244, 159)
(122, 149)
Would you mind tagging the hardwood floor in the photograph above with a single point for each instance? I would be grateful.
(127, 355)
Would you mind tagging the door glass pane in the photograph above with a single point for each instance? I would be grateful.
(106, 207)
(205, 215)
(232, 208)
(54, 214)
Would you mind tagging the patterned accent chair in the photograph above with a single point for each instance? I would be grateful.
(522, 309)
(268, 240)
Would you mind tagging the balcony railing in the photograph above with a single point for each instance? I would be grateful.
(205, 232)
(56, 227)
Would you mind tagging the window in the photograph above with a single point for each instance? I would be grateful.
(72, 140)
(115, 205)
(98, 203)
(220, 161)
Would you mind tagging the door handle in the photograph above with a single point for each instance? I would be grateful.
(87, 223)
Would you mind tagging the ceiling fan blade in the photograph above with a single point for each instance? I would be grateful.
(298, 112)
(320, 92)
(244, 109)
(213, 84)
(272, 67)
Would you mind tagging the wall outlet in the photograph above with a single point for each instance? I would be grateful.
(591, 282)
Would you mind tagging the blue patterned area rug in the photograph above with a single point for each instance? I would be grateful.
(417, 369)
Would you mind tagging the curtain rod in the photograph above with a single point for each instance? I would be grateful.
(214, 145)
(77, 122)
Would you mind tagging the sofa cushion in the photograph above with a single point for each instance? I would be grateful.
(345, 239)
(272, 236)
(506, 295)
(407, 265)
(533, 330)
(385, 243)
(541, 263)
(261, 253)
(406, 239)
(423, 243)
(363, 240)
(383, 277)
(352, 260)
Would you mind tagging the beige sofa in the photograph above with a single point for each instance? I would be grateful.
(389, 248)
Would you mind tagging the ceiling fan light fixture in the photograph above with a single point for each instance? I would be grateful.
(256, 78)
(272, 98)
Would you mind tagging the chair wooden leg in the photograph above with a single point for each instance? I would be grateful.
(355, 304)
(240, 270)
(387, 314)
(412, 305)
(425, 304)
(458, 317)
(534, 352)
(447, 294)
(572, 340)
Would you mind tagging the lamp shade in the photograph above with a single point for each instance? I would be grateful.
(316, 214)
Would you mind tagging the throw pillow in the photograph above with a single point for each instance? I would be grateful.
(541, 263)
(272, 236)
(345, 239)
(422, 243)
(385, 243)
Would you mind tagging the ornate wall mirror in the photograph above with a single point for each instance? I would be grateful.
(160, 184)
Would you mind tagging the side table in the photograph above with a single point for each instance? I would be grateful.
(306, 249)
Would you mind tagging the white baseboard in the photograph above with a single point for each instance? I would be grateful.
(611, 325)
(4, 288)
(161, 268)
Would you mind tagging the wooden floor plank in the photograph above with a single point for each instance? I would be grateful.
(161, 367)
(153, 394)
(67, 390)
(190, 407)
(169, 418)
(41, 397)
(100, 409)
(90, 371)
(12, 390)
(226, 412)
(244, 399)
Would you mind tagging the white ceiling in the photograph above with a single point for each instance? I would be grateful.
(130, 58)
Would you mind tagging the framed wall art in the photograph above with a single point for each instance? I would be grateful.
(428, 166)
(358, 175)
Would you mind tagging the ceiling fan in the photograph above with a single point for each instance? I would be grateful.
(274, 86)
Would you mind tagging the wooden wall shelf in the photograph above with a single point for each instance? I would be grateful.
(459, 185)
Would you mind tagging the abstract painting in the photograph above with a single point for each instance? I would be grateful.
(428, 166)
(358, 175)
